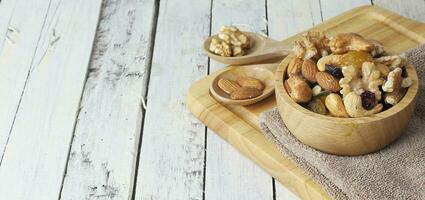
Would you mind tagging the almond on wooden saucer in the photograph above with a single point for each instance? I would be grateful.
(227, 85)
(245, 93)
(250, 82)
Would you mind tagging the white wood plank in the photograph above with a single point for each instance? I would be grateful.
(230, 175)
(414, 9)
(172, 150)
(105, 144)
(283, 193)
(331, 8)
(17, 54)
(35, 156)
(287, 18)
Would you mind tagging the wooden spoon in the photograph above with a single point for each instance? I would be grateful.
(262, 72)
(262, 48)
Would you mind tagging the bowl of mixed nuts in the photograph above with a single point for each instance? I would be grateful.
(345, 94)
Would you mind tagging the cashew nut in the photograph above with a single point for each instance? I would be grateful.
(354, 108)
(335, 105)
(334, 60)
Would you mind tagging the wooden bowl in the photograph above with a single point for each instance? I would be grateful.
(344, 136)
(262, 72)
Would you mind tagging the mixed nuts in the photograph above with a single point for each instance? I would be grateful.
(242, 88)
(345, 75)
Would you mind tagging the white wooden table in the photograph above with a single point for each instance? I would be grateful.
(93, 96)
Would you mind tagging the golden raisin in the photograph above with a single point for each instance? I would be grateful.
(356, 58)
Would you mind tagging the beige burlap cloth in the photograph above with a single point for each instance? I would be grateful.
(396, 172)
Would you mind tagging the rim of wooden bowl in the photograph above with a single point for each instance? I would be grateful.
(408, 98)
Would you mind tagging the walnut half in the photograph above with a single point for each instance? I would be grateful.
(368, 79)
(392, 61)
(229, 42)
(345, 42)
(313, 45)
(394, 87)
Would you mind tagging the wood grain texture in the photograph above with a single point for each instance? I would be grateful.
(228, 174)
(239, 125)
(17, 55)
(414, 9)
(35, 157)
(287, 18)
(172, 151)
(103, 154)
(332, 8)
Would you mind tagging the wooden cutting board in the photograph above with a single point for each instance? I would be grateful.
(239, 126)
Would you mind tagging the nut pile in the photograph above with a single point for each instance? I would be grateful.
(230, 41)
(345, 75)
(242, 88)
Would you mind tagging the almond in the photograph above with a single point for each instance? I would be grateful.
(298, 89)
(250, 82)
(294, 67)
(227, 86)
(335, 105)
(245, 93)
(309, 70)
(327, 81)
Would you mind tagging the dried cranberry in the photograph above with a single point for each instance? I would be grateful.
(334, 71)
(404, 72)
(368, 100)
(387, 106)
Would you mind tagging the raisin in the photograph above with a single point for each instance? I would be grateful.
(404, 73)
(387, 106)
(368, 100)
(356, 58)
(334, 71)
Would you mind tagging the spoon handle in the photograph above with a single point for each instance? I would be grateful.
(277, 47)
(271, 67)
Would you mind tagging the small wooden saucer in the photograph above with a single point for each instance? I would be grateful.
(262, 72)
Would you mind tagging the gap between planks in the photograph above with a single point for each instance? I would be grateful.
(27, 75)
(79, 103)
(152, 44)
